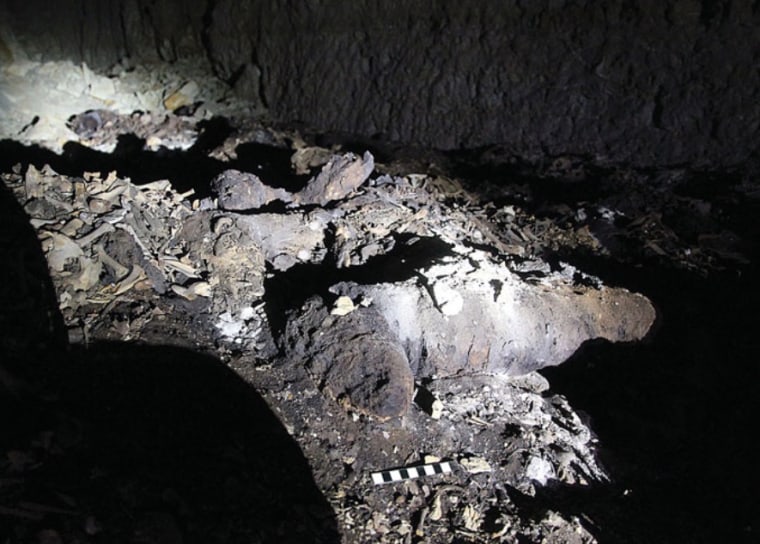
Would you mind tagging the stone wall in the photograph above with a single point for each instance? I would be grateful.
(102, 32)
(649, 82)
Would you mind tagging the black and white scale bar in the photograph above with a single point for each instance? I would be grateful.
(407, 473)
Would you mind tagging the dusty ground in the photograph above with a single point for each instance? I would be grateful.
(137, 416)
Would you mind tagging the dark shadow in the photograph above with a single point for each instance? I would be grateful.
(185, 169)
(382, 150)
(271, 164)
(565, 179)
(29, 319)
(144, 435)
(130, 443)
(288, 290)
(675, 415)
(212, 133)
(189, 169)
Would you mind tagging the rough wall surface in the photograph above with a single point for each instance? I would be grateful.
(647, 82)
(104, 32)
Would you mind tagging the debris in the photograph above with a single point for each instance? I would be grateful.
(474, 465)
(343, 306)
(286, 238)
(472, 518)
(539, 469)
(60, 250)
(184, 96)
(238, 191)
(89, 238)
(194, 290)
(342, 175)
(436, 512)
(304, 159)
(136, 275)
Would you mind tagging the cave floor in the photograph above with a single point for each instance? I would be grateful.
(137, 416)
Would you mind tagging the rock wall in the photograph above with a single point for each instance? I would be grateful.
(101, 33)
(649, 82)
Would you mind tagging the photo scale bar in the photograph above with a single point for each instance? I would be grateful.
(408, 473)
